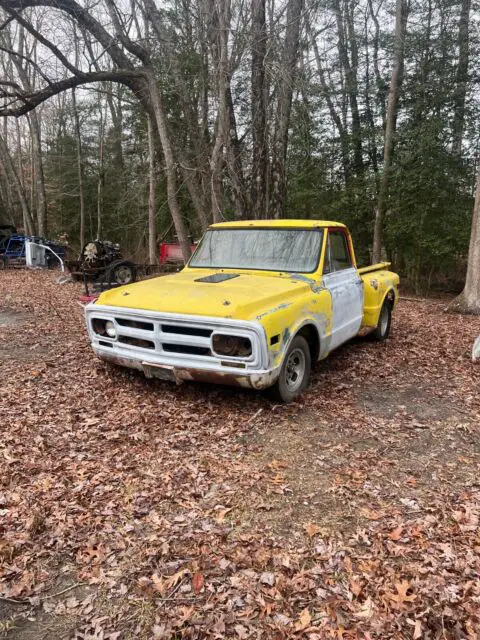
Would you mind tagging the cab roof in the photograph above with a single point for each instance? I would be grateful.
(276, 224)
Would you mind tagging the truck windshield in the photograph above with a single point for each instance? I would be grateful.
(289, 250)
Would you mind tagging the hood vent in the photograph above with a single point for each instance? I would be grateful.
(218, 277)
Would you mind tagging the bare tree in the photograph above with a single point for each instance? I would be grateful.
(462, 76)
(327, 94)
(101, 169)
(347, 39)
(469, 299)
(139, 77)
(152, 206)
(391, 123)
(259, 111)
(287, 71)
(12, 173)
(219, 12)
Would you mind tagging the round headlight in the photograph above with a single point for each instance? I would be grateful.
(110, 329)
(232, 346)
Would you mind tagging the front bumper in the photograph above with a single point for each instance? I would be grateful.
(158, 362)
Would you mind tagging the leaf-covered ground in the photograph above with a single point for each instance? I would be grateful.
(133, 508)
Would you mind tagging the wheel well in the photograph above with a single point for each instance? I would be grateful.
(391, 297)
(310, 333)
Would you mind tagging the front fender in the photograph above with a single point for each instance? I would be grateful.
(282, 326)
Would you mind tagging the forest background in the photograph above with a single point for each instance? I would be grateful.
(143, 120)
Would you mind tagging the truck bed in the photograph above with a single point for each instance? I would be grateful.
(380, 266)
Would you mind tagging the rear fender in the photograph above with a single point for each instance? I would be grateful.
(378, 287)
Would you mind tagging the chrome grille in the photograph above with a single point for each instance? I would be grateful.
(173, 340)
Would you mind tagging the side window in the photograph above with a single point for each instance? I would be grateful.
(339, 254)
(327, 266)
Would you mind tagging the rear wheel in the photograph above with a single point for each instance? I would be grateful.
(295, 372)
(382, 330)
(124, 274)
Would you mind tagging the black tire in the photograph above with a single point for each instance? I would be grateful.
(3, 263)
(295, 372)
(382, 330)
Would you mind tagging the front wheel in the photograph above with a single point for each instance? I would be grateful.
(382, 330)
(295, 372)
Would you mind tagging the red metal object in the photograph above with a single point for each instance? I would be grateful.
(85, 299)
(172, 252)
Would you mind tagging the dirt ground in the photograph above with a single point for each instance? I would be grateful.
(132, 508)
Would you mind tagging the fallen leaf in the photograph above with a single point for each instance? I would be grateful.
(220, 518)
(366, 610)
(312, 529)
(267, 578)
(303, 621)
(396, 534)
(401, 596)
(197, 582)
(417, 633)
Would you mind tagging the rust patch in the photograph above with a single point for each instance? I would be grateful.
(187, 374)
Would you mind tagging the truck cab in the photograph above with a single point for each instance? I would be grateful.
(257, 304)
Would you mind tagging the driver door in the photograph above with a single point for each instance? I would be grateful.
(341, 279)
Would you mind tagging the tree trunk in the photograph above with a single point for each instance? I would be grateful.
(170, 168)
(218, 36)
(196, 195)
(327, 95)
(259, 111)
(234, 155)
(381, 84)
(351, 78)
(35, 132)
(39, 175)
(20, 159)
(462, 76)
(10, 167)
(78, 137)
(152, 207)
(101, 176)
(284, 107)
(193, 148)
(391, 125)
(469, 300)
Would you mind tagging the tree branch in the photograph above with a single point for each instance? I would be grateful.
(31, 100)
(82, 17)
(36, 34)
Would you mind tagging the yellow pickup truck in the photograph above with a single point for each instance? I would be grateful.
(256, 305)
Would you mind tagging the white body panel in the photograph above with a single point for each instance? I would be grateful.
(34, 254)
(346, 289)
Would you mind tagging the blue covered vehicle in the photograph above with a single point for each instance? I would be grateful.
(14, 249)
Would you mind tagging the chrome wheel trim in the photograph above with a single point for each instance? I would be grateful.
(295, 368)
(123, 275)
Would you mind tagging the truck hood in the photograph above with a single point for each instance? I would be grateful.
(243, 297)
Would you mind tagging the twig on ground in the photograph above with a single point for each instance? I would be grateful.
(60, 593)
(49, 597)
(255, 415)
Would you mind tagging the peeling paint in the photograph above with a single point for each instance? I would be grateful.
(315, 285)
(302, 278)
(280, 307)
